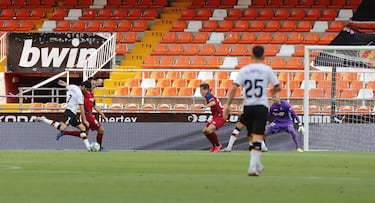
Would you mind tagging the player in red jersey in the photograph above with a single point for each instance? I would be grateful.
(94, 124)
(217, 121)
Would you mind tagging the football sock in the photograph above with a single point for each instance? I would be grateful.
(99, 138)
(86, 142)
(73, 133)
(51, 123)
(210, 139)
(232, 139)
(214, 139)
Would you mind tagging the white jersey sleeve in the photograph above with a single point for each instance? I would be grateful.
(74, 98)
(255, 79)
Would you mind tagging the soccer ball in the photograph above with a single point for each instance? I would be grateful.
(95, 146)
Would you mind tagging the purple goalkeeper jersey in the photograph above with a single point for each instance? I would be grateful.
(282, 113)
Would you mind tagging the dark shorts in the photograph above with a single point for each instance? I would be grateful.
(94, 124)
(70, 118)
(255, 119)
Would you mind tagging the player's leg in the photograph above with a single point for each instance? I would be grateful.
(74, 121)
(205, 132)
(293, 134)
(61, 126)
(233, 137)
(209, 132)
(257, 118)
(99, 138)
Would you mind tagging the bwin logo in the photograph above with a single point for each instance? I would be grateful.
(31, 55)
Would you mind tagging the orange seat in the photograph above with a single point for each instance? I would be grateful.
(189, 75)
(195, 83)
(213, 62)
(335, 26)
(150, 62)
(136, 91)
(182, 62)
(157, 75)
(197, 62)
(294, 38)
(240, 26)
(200, 38)
(153, 91)
(62, 26)
(263, 38)
(144, 3)
(119, 14)
(247, 38)
(170, 91)
(203, 14)
(10, 25)
(294, 63)
(130, 37)
(298, 93)
(222, 50)
(165, 62)
(181, 108)
(188, 14)
(149, 14)
(231, 38)
(78, 26)
(250, 14)
(224, 26)
(178, 26)
(328, 15)
(209, 26)
(326, 38)
(160, 49)
(93, 26)
(311, 38)
(278, 63)
(175, 49)
(271, 26)
(357, 84)
(134, 14)
(265, 14)
(108, 26)
(256, 26)
(104, 14)
(312, 14)
(317, 76)
(287, 26)
(296, 14)
(281, 14)
(59, 14)
(234, 14)
(348, 93)
(169, 37)
(207, 50)
(7, 14)
(259, 3)
(346, 109)
(244, 61)
(303, 26)
(88, 14)
(184, 37)
(132, 107)
(197, 108)
(132, 82)
(238, 50)
(124, 26)
(139, 26)
(321, 3)
(173, 75)
(226, 83)
(25, 26)
(186, 91)
(316, 93)
(279, 38)
(306, 3)
(166, 108)
(190, 49)
(113, 4)
(178, 82)
(299, 51)
(121, 91)
(363, 109)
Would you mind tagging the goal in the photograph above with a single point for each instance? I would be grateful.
(338, 101)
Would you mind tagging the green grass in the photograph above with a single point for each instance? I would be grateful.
(184, 176)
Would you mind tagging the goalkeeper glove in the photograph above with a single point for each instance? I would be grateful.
(300, 127)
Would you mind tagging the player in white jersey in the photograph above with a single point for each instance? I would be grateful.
(255, 79)
(74, 101)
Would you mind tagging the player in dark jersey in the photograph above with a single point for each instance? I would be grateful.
(94, 124)
(283, 116)
(217, 121)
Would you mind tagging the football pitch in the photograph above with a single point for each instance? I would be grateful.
(184, 176)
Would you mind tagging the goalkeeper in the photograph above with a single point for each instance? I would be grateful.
(282, 116)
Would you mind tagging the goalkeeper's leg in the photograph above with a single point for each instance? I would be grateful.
(293, 134)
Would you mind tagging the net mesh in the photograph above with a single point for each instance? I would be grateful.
(340, 99)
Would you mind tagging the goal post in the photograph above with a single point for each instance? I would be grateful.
(338, 101)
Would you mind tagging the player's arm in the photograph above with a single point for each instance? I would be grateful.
(83, 116)
(62, 83)
(231, 92)
(275, 89)
(212, 103)
(100, 112)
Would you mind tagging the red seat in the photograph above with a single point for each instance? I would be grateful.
(312, 14)
(130, 37)
(321, 3)
(200, 37)
(256, 26)
(234, 14)
(113, 4)
(149, 14)
(104, 14)
(84, 4)
(337, 4)
(275, 3)
(17, 4)
(265, 14)
(328, 15)
(25, 26)
(93, 26)
(259, 3)
(188, 14)
(88, 14)
(36, 14)
(159, 4)
(108, 26)
(10, 25)
(240, 26)
(281, 14)
(119, 14)
(287, 26)
(297, 14)
(290, 3)
(62, 26)
(129, 4)
(4, 4)
(179, 26)
(231, 38)
(134, 14)
(209, 26)
(303, 26)
(335, 26)
(250, 14)
(271, 26)
(184, 38)
(78, 26)
(306, 3)
(22, 14)
(203, 14)
(279, 38)
(7, 14)
(124, 26)
(59, 14)
(224, 26)
(191, 50)
(144, 3)
(139, 26)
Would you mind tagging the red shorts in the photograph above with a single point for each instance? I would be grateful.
(94, 124)
(217, 121)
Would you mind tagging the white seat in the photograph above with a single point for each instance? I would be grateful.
(193, 26)
(219, 14)
(286, 50)
(73, 14)
(312, 84)
(319, 26)
(197, 92)
(205, 75)
(366, 77)
(365, 94)
(242, 4)
(344, 15)
(99, 4)
(48, 26)
(215, 38)
(229, 62)
(148, 82)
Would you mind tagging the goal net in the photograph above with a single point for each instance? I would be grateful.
(338, 102)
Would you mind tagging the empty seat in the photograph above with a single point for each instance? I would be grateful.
(303, 26)
(7, 14)
(335, 26)
(224, 26)
(312, 14)
(88, 14)
(329, 14)
(247, 38)
(265, 14)
(311, 38)
(238, 50)
(104, 14)
(170, 91)
(36, 14)
(209, 26)
(287, 26)
(93, 26)
(234, 14)
(231, 38)
(250, 14)
(139, 26)
(59, 14)
(191, 50)
(25, 26)
(134, 14)
(271, 26)
(119, 14)
(256, 26)
(203, 14)
(78, 26)
(62, 26)
(281, 14)
(279, 38)
(326, 38)
(178, 26)
(240, 26)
